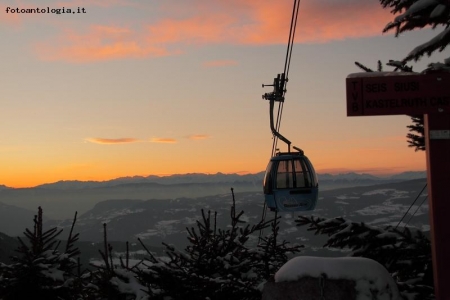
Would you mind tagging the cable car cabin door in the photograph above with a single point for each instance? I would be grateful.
(290, 184)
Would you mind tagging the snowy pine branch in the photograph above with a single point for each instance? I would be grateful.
(417, 14)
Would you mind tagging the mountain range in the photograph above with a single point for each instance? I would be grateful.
(61, 199)
(155, 220)
(215, 178)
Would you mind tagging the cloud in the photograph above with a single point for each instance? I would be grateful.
(197, 137)
(163, 140)
(104, 141)
(219, 63)
(325, 21)
(243, 22)
(15, 19)
(99, 43)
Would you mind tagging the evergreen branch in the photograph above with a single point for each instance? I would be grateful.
(71, 240)
(363, 67)
(154, 260)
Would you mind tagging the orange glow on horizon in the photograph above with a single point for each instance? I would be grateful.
(33, 182)
(379, 165)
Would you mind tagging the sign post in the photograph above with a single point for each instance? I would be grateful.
(383, 93)
(438, 178)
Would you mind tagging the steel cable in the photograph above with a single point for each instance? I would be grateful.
(411, 206)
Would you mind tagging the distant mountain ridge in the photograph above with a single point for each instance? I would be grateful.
(4, 187)
(157, 221)
(215, 178)
(188, 178)
(61, 199)
(165, 220)
(13, 218)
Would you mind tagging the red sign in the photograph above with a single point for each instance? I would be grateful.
(380, 93)
(393, 93)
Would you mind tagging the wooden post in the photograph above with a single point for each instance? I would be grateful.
(437, 141)
(391, 93)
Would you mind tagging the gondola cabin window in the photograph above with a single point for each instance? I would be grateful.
(285, 179)
(293, 174)
(302, 174)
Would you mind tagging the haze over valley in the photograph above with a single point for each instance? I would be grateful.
(158, 209)
(61, 199)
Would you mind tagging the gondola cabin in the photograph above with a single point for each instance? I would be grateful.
(290, 183)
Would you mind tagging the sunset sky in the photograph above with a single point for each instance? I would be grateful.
(135, 87)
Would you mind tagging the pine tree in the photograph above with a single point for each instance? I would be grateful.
(417, 140)
(417, 14)
(218, 263)
(272, 253)
(109, 281)
(411, 15)
(40, 271)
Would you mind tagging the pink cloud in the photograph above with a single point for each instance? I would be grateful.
(163, 140)
(104, 141)
(14, 19)
(197, 137)
(328, 21)
(99, 43)
(243, 22)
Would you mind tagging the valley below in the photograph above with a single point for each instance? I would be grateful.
(157, 221)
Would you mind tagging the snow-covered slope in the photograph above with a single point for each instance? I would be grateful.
(156, 221)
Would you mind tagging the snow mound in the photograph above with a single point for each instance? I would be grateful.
(368, 274)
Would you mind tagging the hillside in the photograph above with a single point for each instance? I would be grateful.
(61, 199)
(157, 221)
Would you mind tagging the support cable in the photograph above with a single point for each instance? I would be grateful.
(287, 63)
(423, 201)
(411, 206)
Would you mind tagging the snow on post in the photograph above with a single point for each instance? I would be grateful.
(369, 276)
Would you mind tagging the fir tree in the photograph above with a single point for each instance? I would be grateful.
(40, 271)
(417, 140)
(417, 14)
(218, 263)
(272, 253)
(411, 15)
(111, 281)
